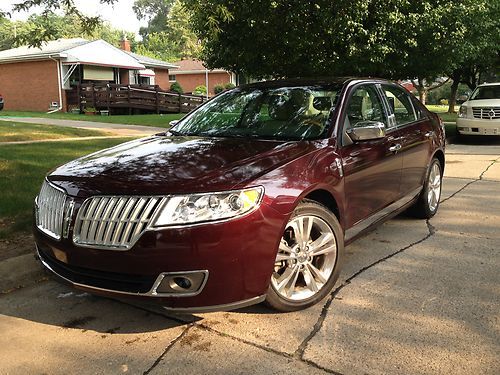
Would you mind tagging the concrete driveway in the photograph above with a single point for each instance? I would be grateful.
(414, 297)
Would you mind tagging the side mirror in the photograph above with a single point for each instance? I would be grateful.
(366, 131)
(173, 123)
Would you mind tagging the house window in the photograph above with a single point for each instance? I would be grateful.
(171, 77)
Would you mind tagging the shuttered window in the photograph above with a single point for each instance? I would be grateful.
(97, 73)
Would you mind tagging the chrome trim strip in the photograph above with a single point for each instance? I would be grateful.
(224, 307)
(369, 221)
(151, 293)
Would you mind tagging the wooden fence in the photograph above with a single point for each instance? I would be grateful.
(112, 97)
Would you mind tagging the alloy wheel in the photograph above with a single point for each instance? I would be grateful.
(306, 258)
(434, 187)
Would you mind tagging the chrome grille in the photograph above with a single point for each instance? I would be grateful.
(114, 222)
(50, 210)
(487, 113)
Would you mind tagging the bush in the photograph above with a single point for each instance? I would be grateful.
(443, 102)
(229, 86)
(218, 89)
(176, 87)
(200, 90)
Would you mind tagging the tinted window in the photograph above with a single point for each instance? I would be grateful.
(364, 105)
(280, 113)
(486, 92)
(400, 104)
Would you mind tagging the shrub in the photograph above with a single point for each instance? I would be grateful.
(229, 86)
(443, 102)
(218, 89)
(176, 87)
(200, 90)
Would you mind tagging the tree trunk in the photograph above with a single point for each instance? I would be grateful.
(422, 91)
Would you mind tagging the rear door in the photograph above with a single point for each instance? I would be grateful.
(372, 169)
(415, 132)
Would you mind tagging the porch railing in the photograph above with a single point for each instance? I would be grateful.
(134, 97)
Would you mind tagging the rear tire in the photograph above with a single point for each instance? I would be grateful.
(308, 259)
(428, 202)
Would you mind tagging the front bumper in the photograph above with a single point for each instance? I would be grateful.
(237, 255)
(468, 126)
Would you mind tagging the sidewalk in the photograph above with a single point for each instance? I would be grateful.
(116, 129)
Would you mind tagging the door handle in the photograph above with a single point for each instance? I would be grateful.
(395, 148)
(429, 134)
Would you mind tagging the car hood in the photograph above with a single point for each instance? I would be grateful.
(483, 103)
(169, 165)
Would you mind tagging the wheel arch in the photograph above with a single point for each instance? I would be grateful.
(326, 198)
(439, 154)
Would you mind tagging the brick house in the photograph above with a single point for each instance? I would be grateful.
(192, 73)
(41, 79)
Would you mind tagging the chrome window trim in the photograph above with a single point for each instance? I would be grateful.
(151, 293)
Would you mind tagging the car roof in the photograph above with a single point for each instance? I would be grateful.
(322, 81)
(489, 84)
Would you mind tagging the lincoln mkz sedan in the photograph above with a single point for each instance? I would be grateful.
(249, 198)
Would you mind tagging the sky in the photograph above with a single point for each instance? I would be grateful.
(120, 15)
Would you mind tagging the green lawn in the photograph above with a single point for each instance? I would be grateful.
(161, 120)
(18, 131)
(442, 111)
(22, 169)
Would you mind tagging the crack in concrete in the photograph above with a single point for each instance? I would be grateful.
(223, 334)
(480, 178)
(167, 349)
(299, 353)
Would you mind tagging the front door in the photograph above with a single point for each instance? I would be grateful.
(372, 169)
(415, 137)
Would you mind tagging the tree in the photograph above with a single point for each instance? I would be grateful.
(44, 31)
(155, 12)
(390, 38)
(14, 34)
(168, 35)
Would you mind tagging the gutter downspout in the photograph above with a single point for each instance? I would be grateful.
(59, 68)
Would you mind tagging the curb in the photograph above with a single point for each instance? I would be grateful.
(19, 272)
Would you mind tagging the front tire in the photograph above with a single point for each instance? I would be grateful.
(308, 258)
(428, 201)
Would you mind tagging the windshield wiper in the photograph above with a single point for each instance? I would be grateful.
(174, 132)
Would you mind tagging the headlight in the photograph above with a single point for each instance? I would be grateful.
(196, 208)
(462, 112)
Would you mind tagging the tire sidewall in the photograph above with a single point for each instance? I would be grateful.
(430, 213)
(311, 208)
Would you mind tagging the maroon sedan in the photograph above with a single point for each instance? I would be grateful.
(249, 198)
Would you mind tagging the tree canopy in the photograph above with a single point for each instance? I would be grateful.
(168, 34)
(52, 26)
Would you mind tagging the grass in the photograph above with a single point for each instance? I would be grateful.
(442, 111)
(18, 131)
(161, 120)
(23, 168)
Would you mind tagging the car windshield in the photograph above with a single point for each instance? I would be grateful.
(287, 113)
(486, 92)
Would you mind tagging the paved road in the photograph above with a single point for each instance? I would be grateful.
(116, 129)
(414, 297)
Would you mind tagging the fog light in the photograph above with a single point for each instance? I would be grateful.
(189, 283)
(181, 282)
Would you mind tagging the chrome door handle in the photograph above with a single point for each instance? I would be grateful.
(395, 148)
(429, 134)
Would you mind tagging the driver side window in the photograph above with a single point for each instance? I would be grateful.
(364, 105)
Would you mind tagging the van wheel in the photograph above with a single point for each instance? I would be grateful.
(308, 258)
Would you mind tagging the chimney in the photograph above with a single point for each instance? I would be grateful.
(125, 44)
